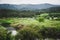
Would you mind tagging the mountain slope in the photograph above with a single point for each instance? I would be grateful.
(26, 6)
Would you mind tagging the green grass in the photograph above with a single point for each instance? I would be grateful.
(34, 27)
(31, 22)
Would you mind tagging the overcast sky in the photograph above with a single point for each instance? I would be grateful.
(29, 1)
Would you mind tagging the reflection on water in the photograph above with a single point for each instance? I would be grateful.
(12, 30)
(51, 39)
(48, 39)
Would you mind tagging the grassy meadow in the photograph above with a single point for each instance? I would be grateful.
(39, 27)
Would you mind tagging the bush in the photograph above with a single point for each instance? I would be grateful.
(5, 22)
(3, 33)
(27, 33)
(50, 32)
(42, 17)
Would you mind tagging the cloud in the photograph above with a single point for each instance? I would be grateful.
(30, 1)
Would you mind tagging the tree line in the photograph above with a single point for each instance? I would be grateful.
(54, 11)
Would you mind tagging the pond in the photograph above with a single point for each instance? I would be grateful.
(12, 30)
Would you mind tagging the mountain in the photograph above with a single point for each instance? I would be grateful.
(53, 9)
(26, 6)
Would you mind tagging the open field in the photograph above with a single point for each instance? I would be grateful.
(34, 27)
(39, 27)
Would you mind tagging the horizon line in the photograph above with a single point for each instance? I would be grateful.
(30, 4)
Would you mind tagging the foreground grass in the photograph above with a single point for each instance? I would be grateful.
(32, 28)
(30, 22)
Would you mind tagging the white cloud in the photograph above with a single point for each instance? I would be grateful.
(30, 1)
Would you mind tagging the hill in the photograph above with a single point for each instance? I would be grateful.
(26, 6)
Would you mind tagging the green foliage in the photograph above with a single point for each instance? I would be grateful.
(42, 17)
(3, 33)
(27, 33)
(50, 32)
(5, 23)
(54, 11)
(16, 13)
(31, 29)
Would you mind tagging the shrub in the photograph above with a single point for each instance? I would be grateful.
(50, 32)
(42, 17)
(5, 23)
(3, 33)
(27, 33)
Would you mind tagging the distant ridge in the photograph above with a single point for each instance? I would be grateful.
(27, 6)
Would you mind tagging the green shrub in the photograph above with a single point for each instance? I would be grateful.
(27, 33)
(3, 33)
(50, 32)
(5, 22)
(42, 17)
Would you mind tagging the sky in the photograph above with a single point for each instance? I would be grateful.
(29, 1)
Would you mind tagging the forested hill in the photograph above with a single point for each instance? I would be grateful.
(52, 10)
(27, 13)
(26, 6)
(7, 10)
